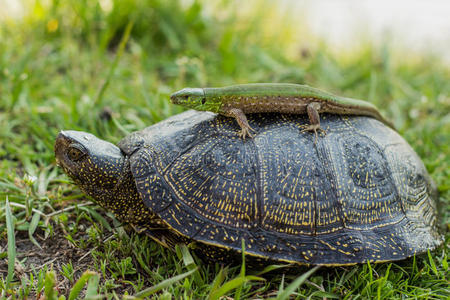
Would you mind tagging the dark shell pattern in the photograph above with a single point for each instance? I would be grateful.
(360, 193)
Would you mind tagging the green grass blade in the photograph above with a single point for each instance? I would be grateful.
(120, 127)
(233, 284)
(220, 277)
(92, 287)
(286, 293)
(242, 273)
(281, 286)
(323, 295)
(11, 243)
(369, 266)
(96, 216)
(414, 264)
(190, 264)
(445, 263)
(382, 281)
(123, 43)
(33, 225)
(49, 286)
(163, 284)
(271, 268)
(432, 264)
(78, 286)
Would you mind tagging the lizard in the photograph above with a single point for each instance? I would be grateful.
(237, 100)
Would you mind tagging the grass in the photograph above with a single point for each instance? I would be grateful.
(63, 66)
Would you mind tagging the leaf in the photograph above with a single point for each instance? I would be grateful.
(295, 284)
(163, 284)
(11, 243)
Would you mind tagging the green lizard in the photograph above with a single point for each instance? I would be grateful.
(238, 100)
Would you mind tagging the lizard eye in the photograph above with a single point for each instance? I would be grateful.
(203, 100)
(75, 153)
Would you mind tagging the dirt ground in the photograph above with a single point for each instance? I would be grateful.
(56, 251)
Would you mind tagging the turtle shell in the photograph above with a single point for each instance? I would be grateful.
(359, 193)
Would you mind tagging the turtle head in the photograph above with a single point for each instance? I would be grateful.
(95, 165)
(194, 98)
(102, 171)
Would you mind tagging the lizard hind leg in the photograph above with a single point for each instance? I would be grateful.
(314, 119)
(240, 117)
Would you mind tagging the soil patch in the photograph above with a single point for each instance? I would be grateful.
(56, 251)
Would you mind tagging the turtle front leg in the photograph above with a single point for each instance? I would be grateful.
(314, 119)
(240, 117)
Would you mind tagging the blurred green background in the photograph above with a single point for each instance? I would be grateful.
(108, 67)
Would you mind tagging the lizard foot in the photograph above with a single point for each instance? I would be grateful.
(315, 128)
(245, 131)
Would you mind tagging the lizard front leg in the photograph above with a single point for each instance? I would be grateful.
(240, 117)
(314, 119)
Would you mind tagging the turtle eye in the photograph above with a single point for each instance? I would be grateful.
(74, 153)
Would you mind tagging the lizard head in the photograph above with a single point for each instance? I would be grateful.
(190, 97)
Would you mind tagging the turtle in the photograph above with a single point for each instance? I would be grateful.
(359, 194)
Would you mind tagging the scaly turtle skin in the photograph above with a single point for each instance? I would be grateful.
(359, 194)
